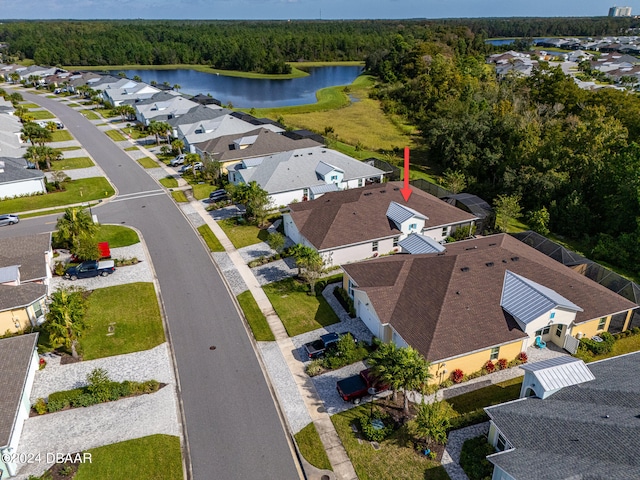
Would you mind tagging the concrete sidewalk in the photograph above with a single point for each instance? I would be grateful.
(338, 458)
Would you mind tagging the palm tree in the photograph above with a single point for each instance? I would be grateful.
(65, 319)
(74, 225)
(137, 78)
(177, 87)
(35, 134)
(14, 77)
(177, 145)
(159, 128)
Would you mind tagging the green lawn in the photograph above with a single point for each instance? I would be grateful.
(179, 196)
(90, 114)
(469, 406)
(117, 236)
(169, 182)
(131, 149)
(147, 162)
(256, 319)
(71, 163)
(242, 235)
(133, 312)
(68, 149)
(30, 105)
(41, 114)
(157, 457)
(210, 239)
(395, 459)
(77, 191)
(311, 447)
(61, 136)
(202, 190)
(115, 135)
(105, 112)
(299, 311)
(620, 347)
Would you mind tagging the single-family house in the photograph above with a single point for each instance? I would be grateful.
(25, 274)
(355, 224)
(572, 421)
(231, 149)
(129, 91)
(37, 73)
(16, 179)
(162, 107)
(479, 300)
(194, 116)
(19, 360)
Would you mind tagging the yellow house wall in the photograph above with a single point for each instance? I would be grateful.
(474, 361)
(590, 328)
(8, 319)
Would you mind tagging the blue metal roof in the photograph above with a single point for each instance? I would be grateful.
(416, 243)
(329, 187)
(400, 213)
(324, 168)
(559, 372)
(527, 300)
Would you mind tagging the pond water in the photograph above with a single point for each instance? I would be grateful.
(252, 92)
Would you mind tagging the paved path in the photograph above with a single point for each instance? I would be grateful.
(77, 173)
(455, 440)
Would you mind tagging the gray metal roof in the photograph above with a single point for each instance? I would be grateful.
(10, 273)
(559, 372)
(415, 243)
(401, 213)
(584, 431)
(527, 300)
(319, 189)
(16, 354)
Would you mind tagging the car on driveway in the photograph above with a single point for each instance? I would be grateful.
(186, 168)
(218, 195)
(8, 220)
(179, 160)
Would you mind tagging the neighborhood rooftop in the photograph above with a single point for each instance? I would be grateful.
(449, 304)
(28, 252)
(329, 221)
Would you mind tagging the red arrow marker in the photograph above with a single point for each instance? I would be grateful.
(406, 190)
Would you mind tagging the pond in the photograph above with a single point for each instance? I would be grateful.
(252, 92)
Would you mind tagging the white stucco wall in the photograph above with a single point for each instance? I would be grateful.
(358, 252)
(285, 198)
(365, 311)
(24, 187)
(562, 317)
(404, 226)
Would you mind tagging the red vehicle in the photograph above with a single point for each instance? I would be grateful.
(352, 389)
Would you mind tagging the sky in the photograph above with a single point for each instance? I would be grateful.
(301, 9)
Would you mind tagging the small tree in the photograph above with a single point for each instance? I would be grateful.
(539, 220)
(276, 241)
(299, 252)
(432, 421)
(177, 145)
(507, 208)
(73, 227)
(65, 319)
(98, 383)
(312, 268)
(254, 198)
(454, 181)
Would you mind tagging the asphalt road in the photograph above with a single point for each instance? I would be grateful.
(232, 425)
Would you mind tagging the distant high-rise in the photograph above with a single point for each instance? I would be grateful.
(620, 11)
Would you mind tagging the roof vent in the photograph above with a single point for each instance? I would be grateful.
(383, 191)
(515, 259)
(472, 248)
(489, 264)
(440, 254)
(395, 189)
(310, 153)
(504, 261)
(492, 244)
(465, 269)
(367, 194)
(458, 292)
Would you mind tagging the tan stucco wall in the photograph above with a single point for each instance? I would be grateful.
(473, 362)
(590, 328)
(8, 319)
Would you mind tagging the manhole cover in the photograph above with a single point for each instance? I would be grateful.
(321, 410)
(212, 347)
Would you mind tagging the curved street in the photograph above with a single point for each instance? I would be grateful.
(233, 428)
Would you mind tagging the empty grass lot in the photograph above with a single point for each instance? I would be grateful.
(90, 114)
(395, 459)
(311, 447)
(243, 235)
(115, 135)
(169, 182)
(117, 235)
(72, 163)
(61, 136)
(91, 188)
(41, 114)
(179, 196)
(134, 310)
(299, 311)
(256, 319)
(147, 458)
(147, 162)
(210, 239)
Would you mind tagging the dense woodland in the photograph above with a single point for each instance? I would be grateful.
(571, 156)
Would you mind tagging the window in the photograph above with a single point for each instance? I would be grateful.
(602, 323)
(559, 330)
(37, 309)
(413, 226)
(395, 242)
(553, 315)
(494, 353)
(543, 331)
(374, 247)
(445, 231)
(334, 178)
(350, 287)
(361, 182)
(501, 444)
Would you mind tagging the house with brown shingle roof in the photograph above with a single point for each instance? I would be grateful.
(25, 274)
(352, 225)
(482, 299)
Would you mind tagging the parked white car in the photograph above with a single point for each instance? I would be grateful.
(179, 160)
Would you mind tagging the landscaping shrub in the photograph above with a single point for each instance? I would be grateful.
(447, 383)
(40, 406)
(372, 434)
(59, 268)
(345, 352)
(315, 367)
(85, 400)
(150, 386)
(63, 399)
(522, 357)
(347, 302)
(636, 330)
(457, 375)
(473, 458)
(321, 284)
(502, 363)
(598, 348)
(489, 367)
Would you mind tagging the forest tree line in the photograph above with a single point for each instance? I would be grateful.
(571, 157)
(259, 46)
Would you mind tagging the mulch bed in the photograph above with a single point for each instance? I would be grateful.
(63, 471)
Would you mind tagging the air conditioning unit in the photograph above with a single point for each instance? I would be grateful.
(579, 335)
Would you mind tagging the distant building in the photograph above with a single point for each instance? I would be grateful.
(620, 11)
